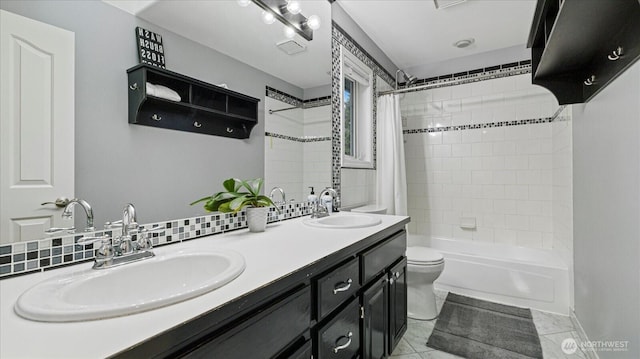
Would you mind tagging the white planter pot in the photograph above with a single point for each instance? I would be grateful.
(257, 218)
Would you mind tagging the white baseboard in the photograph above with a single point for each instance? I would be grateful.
(589, 352)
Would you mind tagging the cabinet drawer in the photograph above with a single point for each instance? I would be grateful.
(376, 259)
(340, 338)
(304, 352)
(336, 287)
(263, 335)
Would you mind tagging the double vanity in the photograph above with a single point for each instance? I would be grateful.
(305, 288)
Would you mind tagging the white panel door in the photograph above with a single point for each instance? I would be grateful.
(36, 125)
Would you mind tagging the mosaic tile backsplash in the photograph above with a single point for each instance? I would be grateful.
(61, 250)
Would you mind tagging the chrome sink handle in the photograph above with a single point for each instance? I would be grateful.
(144, 240)
(53, 230)
(90, 240)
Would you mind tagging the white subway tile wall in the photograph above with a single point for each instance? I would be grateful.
(358, 187)
(291, 163)
(503, 176)
(316, 155)
(283, 163)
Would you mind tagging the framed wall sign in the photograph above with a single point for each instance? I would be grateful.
(150, 49)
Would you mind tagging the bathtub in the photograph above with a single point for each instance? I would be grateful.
(524, 277)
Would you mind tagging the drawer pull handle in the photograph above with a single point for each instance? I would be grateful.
(197, 124)
(343, 287)
(156, 117)
(343, 346)
(134, 86)
(229, 130)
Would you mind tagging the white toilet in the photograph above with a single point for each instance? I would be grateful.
(371, 208)
(424, 266)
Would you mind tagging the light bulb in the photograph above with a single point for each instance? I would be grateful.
(268, 17)
(293, 7)
(244, 3)
(289, 32)
(313, 22)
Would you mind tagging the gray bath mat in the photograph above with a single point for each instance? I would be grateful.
(477, 329)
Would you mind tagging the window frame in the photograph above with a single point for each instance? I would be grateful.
(362, 76)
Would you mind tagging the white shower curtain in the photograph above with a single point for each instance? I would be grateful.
(391, 173)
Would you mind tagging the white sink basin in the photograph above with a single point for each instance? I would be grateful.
(343, 220)
(135, 287)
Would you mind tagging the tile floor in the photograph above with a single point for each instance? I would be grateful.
(552, 329)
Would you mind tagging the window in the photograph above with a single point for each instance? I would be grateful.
(357, 112)
(349, 116)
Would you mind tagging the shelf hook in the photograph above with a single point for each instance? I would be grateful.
(590, 81)
(615, 54)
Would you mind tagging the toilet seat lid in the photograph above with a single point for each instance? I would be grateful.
(423, 255)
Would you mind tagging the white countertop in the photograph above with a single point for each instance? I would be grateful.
(282, 249)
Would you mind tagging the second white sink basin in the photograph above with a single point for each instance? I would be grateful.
(344, 220)
(163, 280)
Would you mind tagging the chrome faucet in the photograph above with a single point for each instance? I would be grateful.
(319, 210)
(123, 249)
(67, 213)
(278, 189)
(335, 199)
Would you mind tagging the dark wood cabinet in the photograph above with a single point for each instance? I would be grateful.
(303, 352)
(374, 320)
(198, 107)
(397, 303)
(340, 337)
(326, 310)
(579, 46)
(267, 332)
(335, 287)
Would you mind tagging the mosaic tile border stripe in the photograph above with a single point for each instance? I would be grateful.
(294, 101)
(62, 250)
(340, 38)
(479, 125)
(451, 80)
(472, 73)
(298, 139)
(352, 45)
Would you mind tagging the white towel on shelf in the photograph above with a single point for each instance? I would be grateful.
(162, 92)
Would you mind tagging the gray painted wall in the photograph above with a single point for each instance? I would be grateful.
(606, 182)
(160, 171)
(351, 27)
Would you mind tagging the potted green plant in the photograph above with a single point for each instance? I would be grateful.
(233, 199)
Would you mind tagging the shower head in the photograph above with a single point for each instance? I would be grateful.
(408, 79)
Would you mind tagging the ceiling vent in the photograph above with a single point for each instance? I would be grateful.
(291, 47)
(443, 4)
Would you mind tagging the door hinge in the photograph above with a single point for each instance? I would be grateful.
(362, 312)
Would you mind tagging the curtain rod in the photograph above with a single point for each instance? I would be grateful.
(271, 112)
(453, 82)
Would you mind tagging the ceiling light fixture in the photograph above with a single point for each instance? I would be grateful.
(293, 7)
(268, 17)
(461, 44)
(281, 10)
(313, 22)
(244, 3)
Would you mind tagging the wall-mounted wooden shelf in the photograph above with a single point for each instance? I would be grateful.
(571, 42)
(203, 108)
